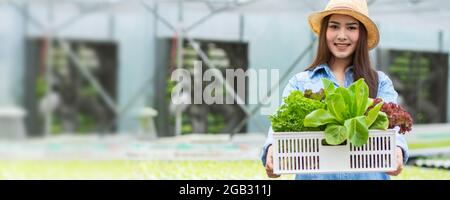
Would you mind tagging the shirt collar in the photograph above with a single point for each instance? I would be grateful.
(318, 68)
(327, 69)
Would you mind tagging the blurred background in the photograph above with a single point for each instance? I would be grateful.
(85, 85)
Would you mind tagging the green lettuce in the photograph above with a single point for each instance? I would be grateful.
(290, 116)
(345, 116)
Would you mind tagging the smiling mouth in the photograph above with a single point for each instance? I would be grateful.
(341, 45)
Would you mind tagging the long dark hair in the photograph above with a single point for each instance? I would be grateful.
(362, 67)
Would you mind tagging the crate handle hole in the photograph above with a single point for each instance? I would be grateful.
(325, 143)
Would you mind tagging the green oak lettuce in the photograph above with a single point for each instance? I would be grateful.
(290, 116)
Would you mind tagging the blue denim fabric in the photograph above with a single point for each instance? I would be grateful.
(312, 79)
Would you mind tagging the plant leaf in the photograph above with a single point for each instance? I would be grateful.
(372, 115)
(381, 123)
(358, 132)
(361, 92)
(318, 118)
(328, 87)
(369, 102)
(335, 134)
(349, 101)
(336, 106)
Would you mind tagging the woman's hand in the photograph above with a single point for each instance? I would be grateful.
(269, 164)
(399, 163)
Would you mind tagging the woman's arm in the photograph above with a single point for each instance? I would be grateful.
(291, 86)
(267, 143)
(387, 92)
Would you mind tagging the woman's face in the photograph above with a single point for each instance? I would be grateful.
(342, 35)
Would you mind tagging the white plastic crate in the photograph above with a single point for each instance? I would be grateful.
(304, 152)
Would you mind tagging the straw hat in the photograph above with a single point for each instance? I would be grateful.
(355, 8)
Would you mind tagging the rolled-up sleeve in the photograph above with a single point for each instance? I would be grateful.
(387, 92)
(267, 143)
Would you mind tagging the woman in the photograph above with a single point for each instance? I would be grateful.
(346, 34)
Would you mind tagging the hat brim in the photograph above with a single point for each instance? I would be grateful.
(373, 36)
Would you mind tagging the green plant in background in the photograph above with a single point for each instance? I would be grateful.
(88, 91)
(168, 94)
(216, 123)
(85, 123)
(411, 72)
(41, 87)
(401, 68)
(40, 92)
(186, 126)
(345, 115)
(170, 85)
(57, 127)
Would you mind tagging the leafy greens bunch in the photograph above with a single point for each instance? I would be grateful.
(397, 116)
(345, 116)
(290, 116)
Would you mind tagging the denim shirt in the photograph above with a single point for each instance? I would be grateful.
(312, 79)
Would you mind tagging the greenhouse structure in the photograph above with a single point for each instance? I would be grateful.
(104, 66)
